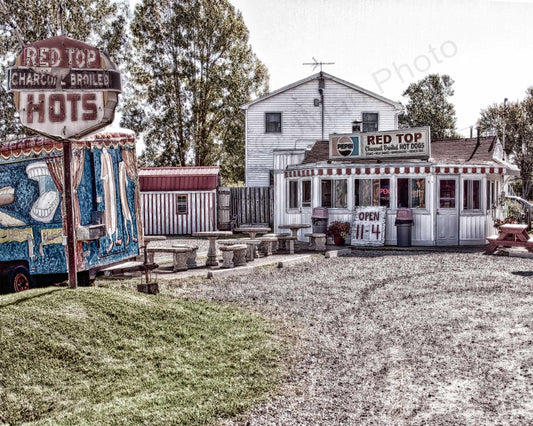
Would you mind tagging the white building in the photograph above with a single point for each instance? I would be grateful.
(296, 116)
(452, 188)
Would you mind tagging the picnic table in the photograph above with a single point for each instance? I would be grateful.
(511, 235)
(252, 231)
(294, 228)
(212, 251)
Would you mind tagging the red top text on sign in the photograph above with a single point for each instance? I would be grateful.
(400, 138)
(72, 55)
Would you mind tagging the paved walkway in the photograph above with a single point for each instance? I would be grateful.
(165, 261)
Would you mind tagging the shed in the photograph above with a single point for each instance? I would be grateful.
(179, 200)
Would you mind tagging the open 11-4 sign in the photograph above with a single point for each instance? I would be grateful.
(64, 89)
(368, 226)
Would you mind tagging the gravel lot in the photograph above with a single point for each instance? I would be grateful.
(396, 337)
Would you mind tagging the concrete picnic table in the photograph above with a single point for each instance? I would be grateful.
(295, 227)
(511, 235)
(252, 231)
(212, 251)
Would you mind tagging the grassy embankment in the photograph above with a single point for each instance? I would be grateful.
(102, 356)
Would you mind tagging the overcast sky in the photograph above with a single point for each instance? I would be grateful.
(486, 46)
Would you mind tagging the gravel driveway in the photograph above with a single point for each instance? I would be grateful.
(358, 357)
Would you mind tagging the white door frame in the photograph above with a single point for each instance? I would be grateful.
(447, 217)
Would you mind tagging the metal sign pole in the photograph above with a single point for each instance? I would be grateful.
(69, 215)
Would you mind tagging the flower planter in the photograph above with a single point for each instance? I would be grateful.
(338, 240)
(338, 230)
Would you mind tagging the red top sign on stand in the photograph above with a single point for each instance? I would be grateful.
(64, 88)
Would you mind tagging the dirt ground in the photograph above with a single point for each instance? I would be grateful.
(395, 337)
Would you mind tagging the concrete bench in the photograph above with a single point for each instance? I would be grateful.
(317, 241)
(191, 258)
(268, 244)
(251, 246)
(274, 245)
(233, 255)
(180, 255)
(286, 242)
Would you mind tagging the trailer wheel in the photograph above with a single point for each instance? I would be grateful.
(19, 279)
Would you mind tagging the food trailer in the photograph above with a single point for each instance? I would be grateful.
(106, 207)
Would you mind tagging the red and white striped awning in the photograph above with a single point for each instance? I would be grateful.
(336, 171)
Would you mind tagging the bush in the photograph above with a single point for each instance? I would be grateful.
(337, 228)
(512, 211)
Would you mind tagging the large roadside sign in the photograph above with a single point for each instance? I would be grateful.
(64, 88)
(403, 143)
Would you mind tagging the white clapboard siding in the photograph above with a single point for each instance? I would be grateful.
(472, 229)
(301, 124)
(421, 232)
(160, 216)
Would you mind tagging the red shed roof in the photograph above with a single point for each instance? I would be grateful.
(179, 178)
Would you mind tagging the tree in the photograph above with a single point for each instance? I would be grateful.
(100, 23)
(191, 70)
(513, 123)
(428, 105)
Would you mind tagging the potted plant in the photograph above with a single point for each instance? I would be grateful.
(339, 231)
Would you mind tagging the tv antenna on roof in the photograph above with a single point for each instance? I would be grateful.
(316, 64)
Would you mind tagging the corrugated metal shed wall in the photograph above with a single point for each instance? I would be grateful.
(160, 214)
(162, 186)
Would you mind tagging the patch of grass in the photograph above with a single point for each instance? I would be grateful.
(105, 356)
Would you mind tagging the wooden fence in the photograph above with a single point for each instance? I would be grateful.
(237, 206)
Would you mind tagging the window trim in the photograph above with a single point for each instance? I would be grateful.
(468, 191)
(373, 201)
(410, 192)
(491, 195)
(267, 113)
(333, 193)
(302, 193)
(290, 182)
(178, 204)
(299, 194)
(363, 121)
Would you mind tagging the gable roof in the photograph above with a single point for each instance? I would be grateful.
(444, 151)
(327, 76)
(463, 151)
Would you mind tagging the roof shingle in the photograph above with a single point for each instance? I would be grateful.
(445, 151)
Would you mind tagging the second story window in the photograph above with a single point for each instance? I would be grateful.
(370, 121)
(273, 122)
